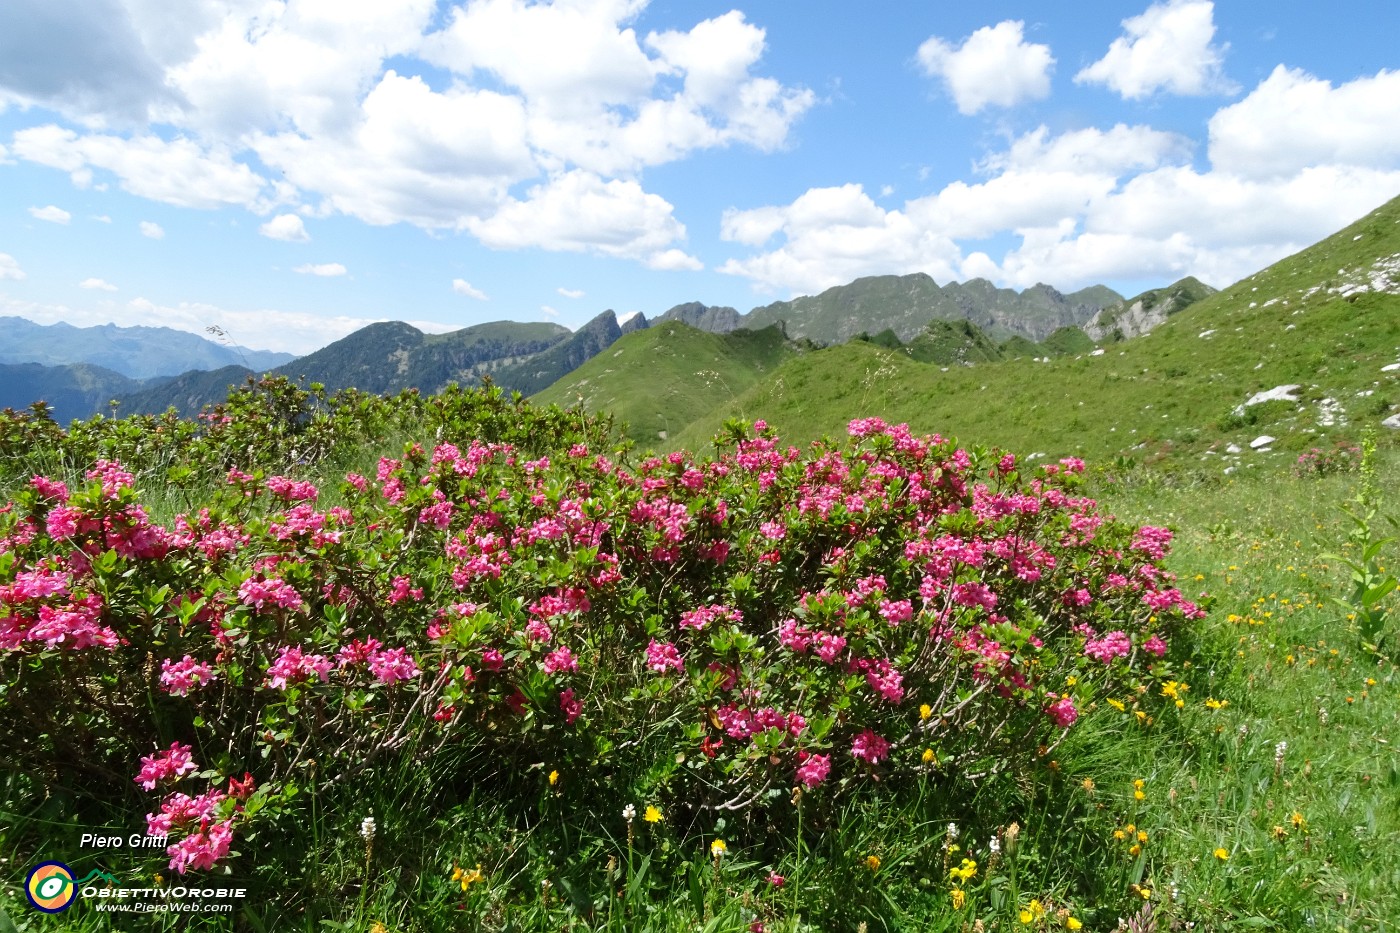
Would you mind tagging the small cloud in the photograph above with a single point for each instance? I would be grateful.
(548, 311)
(674, 259)
(54, 215)
(1170, 47)
(322, 269)
(993, 67)
(285, 227)
(570, 292)
(463, 287)
(152, 230)
(624, 318)
(102, 218)
(98, 284)
(9, 268)
(886, 190)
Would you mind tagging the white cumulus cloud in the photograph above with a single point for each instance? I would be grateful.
(9, 268)
(463, 287)
(1293, 120)
(570, 292)
(324, 269)
(152, 230)
(447, 116)
(1094, 205)
(99, 284)
(54, 215)
(285, 227)
(993, 67)
(181, 171)
(579, 211)
(674, 260)
(1169, 47)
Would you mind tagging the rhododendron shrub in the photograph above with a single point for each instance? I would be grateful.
(710, 629)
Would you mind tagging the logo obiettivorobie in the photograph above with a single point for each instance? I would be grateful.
(50, 887)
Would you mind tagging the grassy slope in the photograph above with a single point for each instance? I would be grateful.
(699, 371)
(1171, 390)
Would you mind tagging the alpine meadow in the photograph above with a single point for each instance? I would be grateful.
(1026, 558)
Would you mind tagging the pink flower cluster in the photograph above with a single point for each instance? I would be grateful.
(180, 677)
(293, 667)
(870, 747)
(169, 765)
(259, 592)
(663, 657)
(703, 616)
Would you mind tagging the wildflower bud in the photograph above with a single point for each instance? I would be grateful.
(1013, 835)
(367, 828)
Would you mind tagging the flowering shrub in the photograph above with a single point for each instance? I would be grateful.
(1316, 462)
(715, 631)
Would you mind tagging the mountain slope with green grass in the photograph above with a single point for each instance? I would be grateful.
(658, 380)
(1326, 320)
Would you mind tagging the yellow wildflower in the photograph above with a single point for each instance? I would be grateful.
(1298, 821)
(553, 778)
(1118, 705)
(1222, 854)
(928, 757)
(1072, 923)
(872, 862)
(718, 848)
(964, 872)
(925, 711)
(652, 815)
(959, 898)
(467, 878)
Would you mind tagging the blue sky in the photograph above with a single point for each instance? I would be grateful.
(290, 171)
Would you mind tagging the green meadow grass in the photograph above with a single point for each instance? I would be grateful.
(657, 381)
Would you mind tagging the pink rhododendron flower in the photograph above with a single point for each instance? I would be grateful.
(357, 652)
(178, 678)
(1155, 645)
(1105, 649)
(393, 665)
(560, 659)
(703, 616)
(203, 849)
(663, 657)
(1062, 711)
(50, 488)
(813, 769)
(292, 667)
(896, 611)
(570, 706)
(112, 477)
(870, 747)
(291, 490)
(258, 593)
(169, 765)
